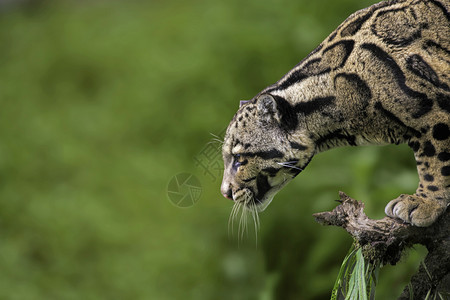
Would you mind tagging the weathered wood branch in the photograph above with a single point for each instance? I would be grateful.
(385, 240)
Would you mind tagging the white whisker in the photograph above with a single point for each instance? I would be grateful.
(232, 217)
(217, 138)
(244, 209)
(236, 212)
(258, 224)
(289, 164)
(242, 224)
(218, 143)
(255, 222)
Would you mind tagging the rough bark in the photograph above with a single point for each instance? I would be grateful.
(385, 240)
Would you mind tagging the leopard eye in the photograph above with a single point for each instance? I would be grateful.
(236, 162)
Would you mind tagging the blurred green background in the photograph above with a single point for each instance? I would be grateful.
(104, 102)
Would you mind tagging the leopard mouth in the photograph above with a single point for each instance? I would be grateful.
(251, 203)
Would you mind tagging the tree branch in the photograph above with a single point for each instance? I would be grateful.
(384, 240)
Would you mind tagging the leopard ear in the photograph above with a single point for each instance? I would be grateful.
(242, 102)
(267, 109)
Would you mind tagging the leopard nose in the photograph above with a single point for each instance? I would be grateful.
(228, 194)
(226, 191)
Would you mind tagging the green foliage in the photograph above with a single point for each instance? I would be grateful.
(357, 278)
(103, 102)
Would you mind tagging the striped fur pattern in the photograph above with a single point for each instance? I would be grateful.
(382, 77)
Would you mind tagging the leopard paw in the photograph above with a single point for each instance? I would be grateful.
(418, 211)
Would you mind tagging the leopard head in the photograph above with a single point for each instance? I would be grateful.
(261, 155)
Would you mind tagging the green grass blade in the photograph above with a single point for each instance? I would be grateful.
(341, 284)
(357, 279)
(411, 296)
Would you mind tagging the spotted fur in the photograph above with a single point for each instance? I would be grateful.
(382, 77)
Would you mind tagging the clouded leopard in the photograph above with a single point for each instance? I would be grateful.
(382, 77)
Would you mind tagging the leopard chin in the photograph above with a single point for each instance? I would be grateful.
(262, 204)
